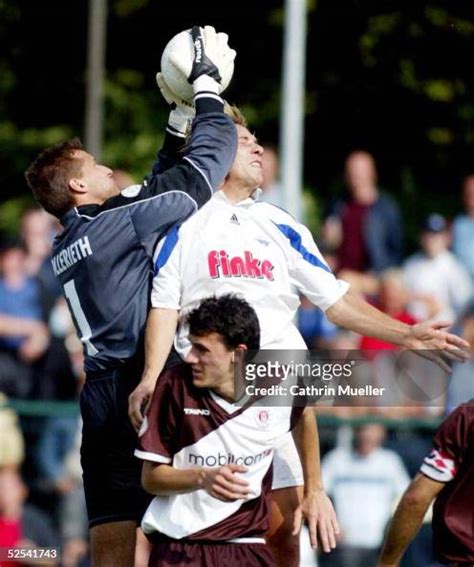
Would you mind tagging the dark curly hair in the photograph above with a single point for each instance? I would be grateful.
(229, 316)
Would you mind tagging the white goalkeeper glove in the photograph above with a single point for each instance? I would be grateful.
(212, 58)
(182, 112)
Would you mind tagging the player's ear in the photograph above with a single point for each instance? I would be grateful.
(77, 186)
(238, 353)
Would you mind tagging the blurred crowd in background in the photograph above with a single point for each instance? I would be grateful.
(365, 467)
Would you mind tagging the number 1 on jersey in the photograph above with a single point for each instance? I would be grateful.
(86, 331)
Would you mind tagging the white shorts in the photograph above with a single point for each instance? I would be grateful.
(287, 469)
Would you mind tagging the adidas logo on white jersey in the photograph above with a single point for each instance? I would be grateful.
(196, 411)
(234, 219)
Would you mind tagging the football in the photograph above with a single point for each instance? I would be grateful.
(182, 43)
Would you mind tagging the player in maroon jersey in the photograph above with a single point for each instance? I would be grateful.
(447, 478)
(208, 460)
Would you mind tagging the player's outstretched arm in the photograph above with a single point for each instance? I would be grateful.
(181, 115)
(159, 334)
(355, 314)
(316, 508)
(408, 518)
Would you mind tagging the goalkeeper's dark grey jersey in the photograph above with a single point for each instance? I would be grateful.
(103, 257)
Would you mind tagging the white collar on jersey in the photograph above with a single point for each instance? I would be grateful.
(255, 196)
(225, 405)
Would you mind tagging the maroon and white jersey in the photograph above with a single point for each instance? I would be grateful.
(452, 462)
(189, 427)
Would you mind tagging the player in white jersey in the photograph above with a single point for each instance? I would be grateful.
(237, 244)
(248, 247)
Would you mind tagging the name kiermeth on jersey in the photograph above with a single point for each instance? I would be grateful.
(76, 251)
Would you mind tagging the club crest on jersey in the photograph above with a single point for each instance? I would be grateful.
(222, 266)
(263, 418)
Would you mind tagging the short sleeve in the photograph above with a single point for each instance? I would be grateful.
(166, 291)
(451, 442)
(159, 431)
(308, 269)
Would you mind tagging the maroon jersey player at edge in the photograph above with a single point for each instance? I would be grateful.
(447, 478)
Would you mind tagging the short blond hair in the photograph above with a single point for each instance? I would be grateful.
(232, 111)
(235, 114)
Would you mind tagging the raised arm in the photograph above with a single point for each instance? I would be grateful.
(207, 151)
(408, 518)
(346, 309)
(352, 312)
(179, 124)
(175, 191)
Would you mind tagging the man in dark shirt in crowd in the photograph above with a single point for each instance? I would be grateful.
(365, 228)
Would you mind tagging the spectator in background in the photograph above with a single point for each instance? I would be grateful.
(366, 227)
(24, 337)
(364, 482)
(36, 235)
(461, 384)
(463, 228)
(439, 284)
(21, 524)
(392, 300)
(73, 524)
(38, 229)
(12, 446)
(315, 328)
(272, 191)
(58, 378)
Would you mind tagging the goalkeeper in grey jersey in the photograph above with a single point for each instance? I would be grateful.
(103, 260)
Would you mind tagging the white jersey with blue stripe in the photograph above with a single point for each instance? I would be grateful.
(250, 248)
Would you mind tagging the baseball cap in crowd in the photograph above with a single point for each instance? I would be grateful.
(434, 223)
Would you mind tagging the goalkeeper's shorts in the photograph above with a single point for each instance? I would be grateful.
(111, 472)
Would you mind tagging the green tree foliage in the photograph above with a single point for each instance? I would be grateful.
(394, 78)
(391, 77)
